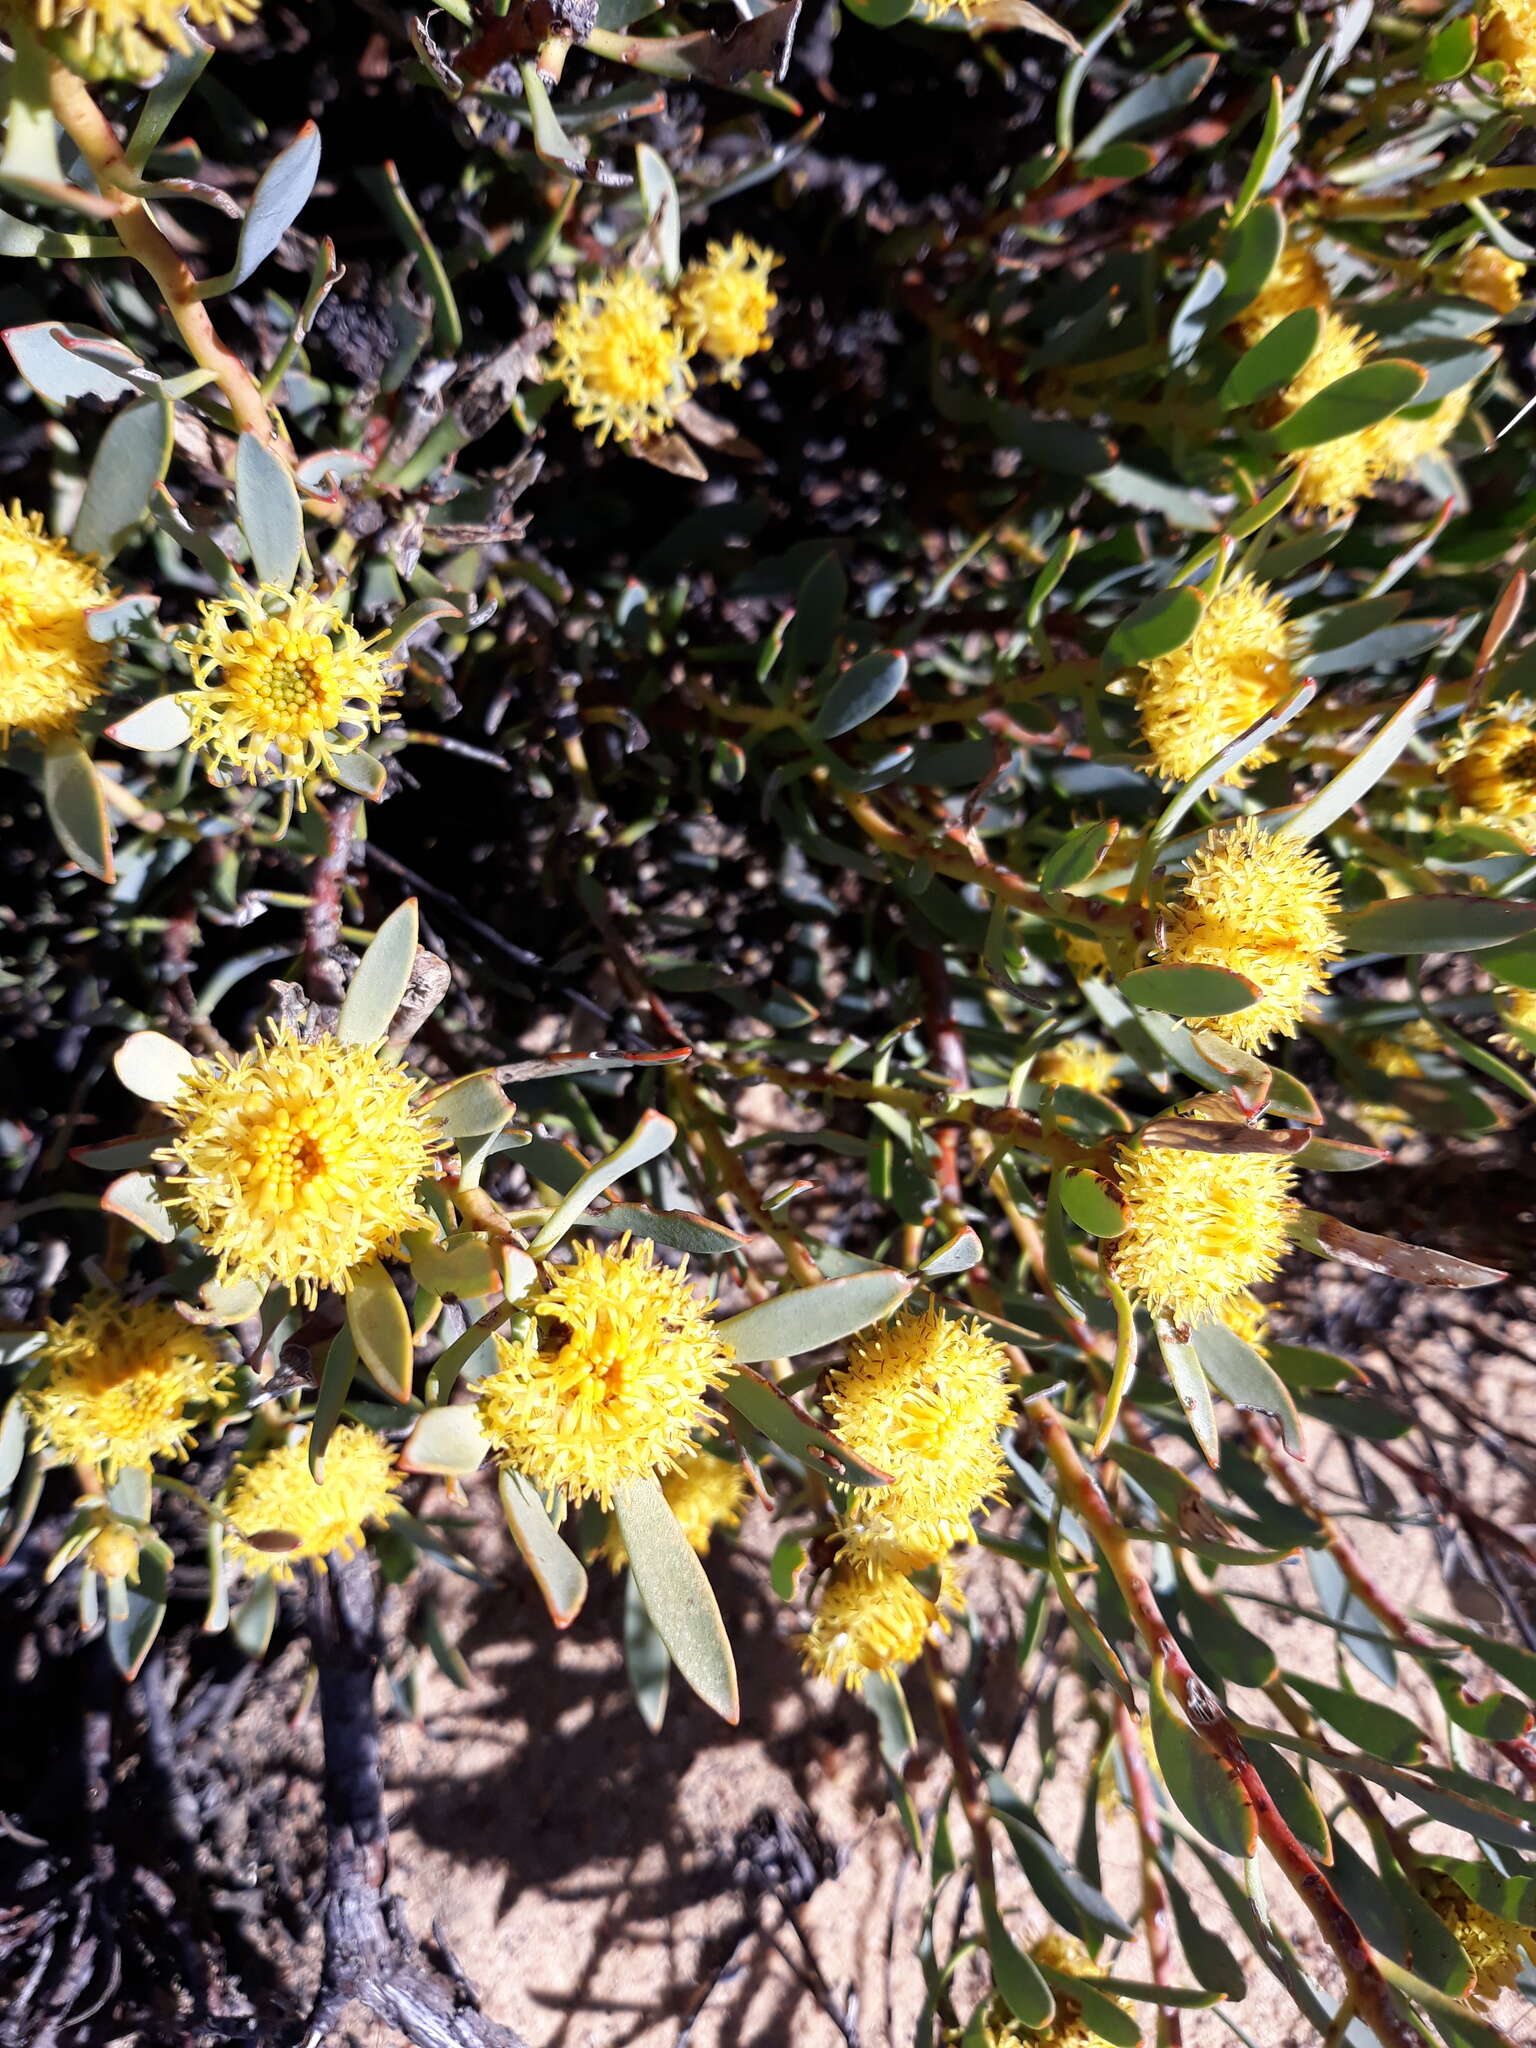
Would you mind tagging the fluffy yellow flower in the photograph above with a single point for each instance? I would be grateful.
(1491, 772)
(1200, 1228)
(923, 1397)
(1086, 957)
(1235, 668)
(1067, 2027)
(286, 686)
(1496, 1948)
(611, 1383)
(279, 1514)
(1517, 1007)
(1261, 906)
(624, 366)
(705, 1493)
(296, 1162)
(119, 1379)
(1485, 273)
(869, 1618)
(1078, 1063)
(1407, 437)
(1398, 1057)
(1247, 1317)
(139, 32)
(114, 1552)
(50, 668)
(1335, 475)
(724, 303)
(1507, 36)
(1297, 280)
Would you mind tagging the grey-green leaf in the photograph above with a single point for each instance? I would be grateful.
(862, 691)
(374, 994)
(1247, 1379)
(1274, 359)
(1163, 624)
(805, 1318)
(1198, 1783)
(270, 514)
(1436, 924)
(133, 456)
(76, 808)
(1362, 399)
(1191, 991)
(672, 1582)
(558, 1571)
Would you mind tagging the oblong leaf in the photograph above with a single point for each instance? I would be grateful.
(771, 1412)
(136, 1198)
(862, 691)
(270, 514)
(1247, 1379)
(1421, 1264)
(157, 727)
(1015, 1978)
(153, 1066)
(76, 808)
(677, 1595)
(1360, 774)
(381, 1329)
(1198, 1783)
(646, 1663)
(679, 1229)
(133, 456)
(1360, 400)
(805, 1318)
(280, 196)
(1191, 991)
(647, 1141)
(1163, 624)
(447, 1441)
(375, 991)
(1274, 359)
(560, 1575)
(1192, 1388)
(1436, 924)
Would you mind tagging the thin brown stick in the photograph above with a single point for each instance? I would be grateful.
(1156, 1912)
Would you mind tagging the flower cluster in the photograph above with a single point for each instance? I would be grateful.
(1507, 36)
(279, 1514)
(1234, 667)
(1261, 906)
(610, 1382)
(870, 1620)
(1497, 1949)
(1067, 2027)
(118, 1380)
(623, 347)
(50, 667)
(1335, 475)
(1491, 772)
(1517, 1008)
(134, 35)
(298, 1161)
(1077, 1063)
(1485, 273)
(1201, 1228)
(924, 1397)
(286, 686)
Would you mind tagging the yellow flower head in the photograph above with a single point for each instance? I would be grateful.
(724, 303)
(136, 34)
(705, 1493)
(1407, 437)
(1247, 1317)
(1067, 2027)
(1085, 957)
(1335, 475)
(1398, 1057)
(1507, 36)
(298, 1161)
(1496, 1948)
(50, 667)
(869, 1618)
(279, 1514)
(286, 686)
(1491, 770)
(1235, 668)
(623, 365)
(611, 1384)
(1261, 906)
(1297, 280)
(1078, 1063)
(114, 1552)
(1200, 1228)
(1517, 1006)
(120, 1377)
(1485, 273)
(923, 1397)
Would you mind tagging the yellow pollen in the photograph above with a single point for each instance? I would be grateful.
(116, 1379)
(51, 670)
(1201, 1228)
(724, 304)
(623, 365)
